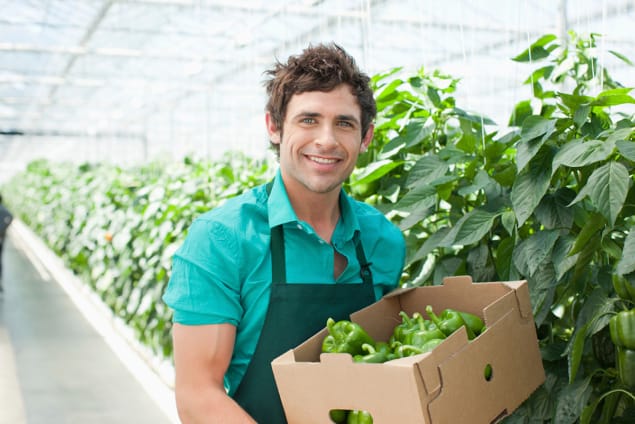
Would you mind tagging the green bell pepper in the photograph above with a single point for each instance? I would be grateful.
(624, 288)
(345, 337)
(625, 361)
(401, 331)
(426, 330)
(622, 330)
(359, 417)
(338, 416)
(473, 322)
(375, 354)
(449, 321)
(401, 351)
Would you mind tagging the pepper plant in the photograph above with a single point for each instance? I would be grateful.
(117, 229)
(551, 201)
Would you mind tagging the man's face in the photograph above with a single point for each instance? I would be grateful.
(321, 140)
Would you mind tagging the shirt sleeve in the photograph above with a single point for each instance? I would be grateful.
(204, 286)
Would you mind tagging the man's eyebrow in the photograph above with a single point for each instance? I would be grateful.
(307, 114)
(350, 118)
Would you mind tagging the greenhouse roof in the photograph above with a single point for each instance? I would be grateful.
(127, 80)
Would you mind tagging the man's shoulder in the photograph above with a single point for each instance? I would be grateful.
(234, 212)
(365, 211)
(371, 218)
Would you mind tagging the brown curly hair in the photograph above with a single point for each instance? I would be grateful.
(319, 68)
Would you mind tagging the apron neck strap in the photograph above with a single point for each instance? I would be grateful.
(278, 261)
(364, 265)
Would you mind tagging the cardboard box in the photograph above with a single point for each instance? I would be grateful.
(447, 385)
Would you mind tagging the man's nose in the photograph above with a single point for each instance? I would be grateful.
(326, 136)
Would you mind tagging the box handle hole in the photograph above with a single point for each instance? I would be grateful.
(342, 416)
(488, 372)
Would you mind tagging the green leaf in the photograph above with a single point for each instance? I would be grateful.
(613, 100)
(594, 316)
(620, 134)
(572, 400)
(417, 212)
(581, 114)
(418, 192)
(597, 310)
(626, 265)
(627, 149)
(531, 185)
(607, 188)
(426, 170)
(537, 50)
(388, 92)
(575, 101)
(468, 141)
(381, 76)
(503, 259)
(521, 112)
(374, 171)
(562, 261)
(536, 126)
(472, 117)
(579, 153)
(621, 57)
(542, 286)
(434, 97)
(533, 251)
(431, 243)
(448, 266)
(535, 131)
(587, 413)
(508, 219)
(415, 132)
(470, 229)
(552, 212)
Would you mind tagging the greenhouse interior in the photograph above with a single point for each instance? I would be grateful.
(502, 150)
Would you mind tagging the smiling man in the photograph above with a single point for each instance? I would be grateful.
(262, 273)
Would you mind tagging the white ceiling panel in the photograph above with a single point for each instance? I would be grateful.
(173, 73)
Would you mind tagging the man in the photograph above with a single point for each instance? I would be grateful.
(262, 273)
(5, 220)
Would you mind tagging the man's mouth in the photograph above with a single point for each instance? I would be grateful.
(322, 160)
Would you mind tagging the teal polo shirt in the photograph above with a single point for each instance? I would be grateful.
(222, 272)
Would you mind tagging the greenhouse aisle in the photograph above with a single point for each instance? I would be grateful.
(55, 367)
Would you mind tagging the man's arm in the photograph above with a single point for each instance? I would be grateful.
(201, 357)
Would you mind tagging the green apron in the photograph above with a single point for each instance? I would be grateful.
(296, 312)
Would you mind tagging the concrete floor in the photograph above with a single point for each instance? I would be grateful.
(55, 367)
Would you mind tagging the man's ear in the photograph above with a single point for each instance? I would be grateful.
(367, 138)
(272, 129)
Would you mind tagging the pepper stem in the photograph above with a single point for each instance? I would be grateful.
(435, 319)
(405, 318)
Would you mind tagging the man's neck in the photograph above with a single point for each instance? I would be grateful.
(320, 210)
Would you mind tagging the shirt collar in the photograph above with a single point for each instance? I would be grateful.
(281, 212)
(278, 204)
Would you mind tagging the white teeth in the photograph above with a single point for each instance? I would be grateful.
(322, 160)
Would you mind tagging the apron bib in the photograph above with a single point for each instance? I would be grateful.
(296, 312)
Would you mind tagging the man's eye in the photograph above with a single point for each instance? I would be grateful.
(308, 120)
(345, 124)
